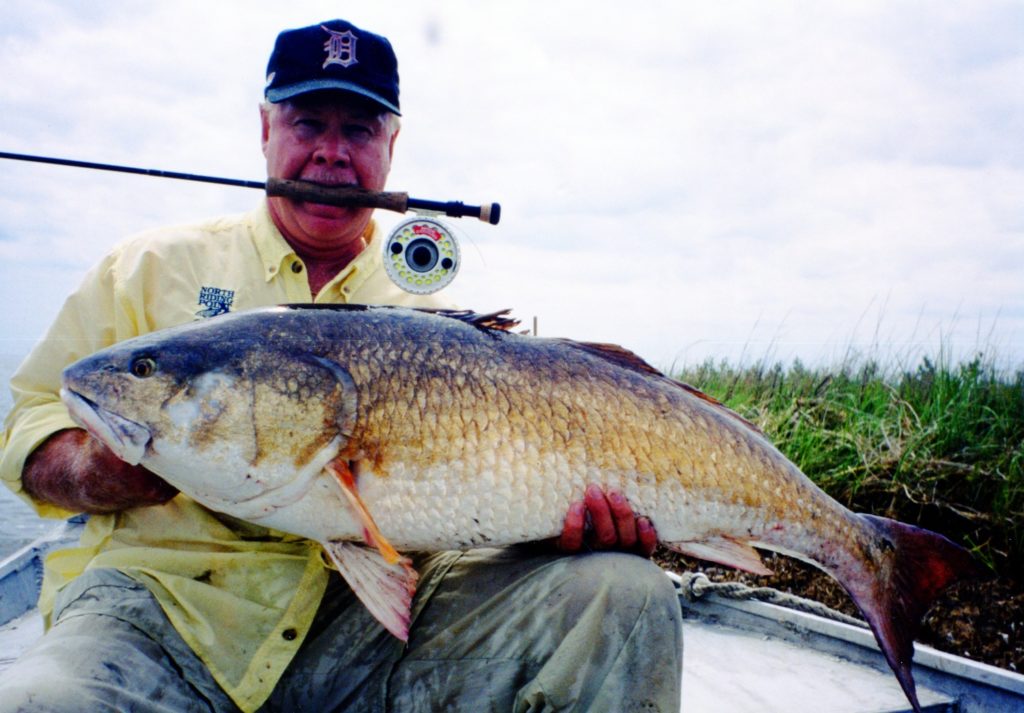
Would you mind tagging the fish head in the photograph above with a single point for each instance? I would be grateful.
(219, 409)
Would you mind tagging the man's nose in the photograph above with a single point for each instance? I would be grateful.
(332, 150)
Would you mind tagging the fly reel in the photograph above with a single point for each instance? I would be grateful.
(421, 255)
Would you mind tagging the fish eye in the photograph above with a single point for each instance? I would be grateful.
(143, 367)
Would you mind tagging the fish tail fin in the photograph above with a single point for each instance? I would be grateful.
(914, 567)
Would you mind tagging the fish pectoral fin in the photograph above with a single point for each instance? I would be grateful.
(385, 588)
(723, 550)
(371, 533)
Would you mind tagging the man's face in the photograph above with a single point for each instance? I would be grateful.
(330, 138)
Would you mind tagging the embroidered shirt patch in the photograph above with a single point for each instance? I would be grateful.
(215, 300)
(340, 47)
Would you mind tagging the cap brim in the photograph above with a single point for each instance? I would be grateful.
(280, 94)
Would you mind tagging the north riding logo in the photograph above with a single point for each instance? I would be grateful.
(215, 300)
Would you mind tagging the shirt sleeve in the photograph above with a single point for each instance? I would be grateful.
(91, 318)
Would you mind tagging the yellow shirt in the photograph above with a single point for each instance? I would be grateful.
(242, 596)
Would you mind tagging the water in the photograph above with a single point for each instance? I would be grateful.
(19, 524)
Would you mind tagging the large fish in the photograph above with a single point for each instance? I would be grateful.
(377, 429)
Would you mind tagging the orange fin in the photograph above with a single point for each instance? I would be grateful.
(371, 533)
(723, 550)
(385, 588)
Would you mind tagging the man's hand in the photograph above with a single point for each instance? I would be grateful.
(77, 472)
(612, 525)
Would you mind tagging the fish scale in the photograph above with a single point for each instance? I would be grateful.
(372, 428)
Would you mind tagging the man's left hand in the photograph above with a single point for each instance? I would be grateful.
(612, 525)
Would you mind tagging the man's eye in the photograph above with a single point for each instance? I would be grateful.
(309, 125)
(359, 132)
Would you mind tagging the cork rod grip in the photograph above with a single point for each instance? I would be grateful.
(343, 196)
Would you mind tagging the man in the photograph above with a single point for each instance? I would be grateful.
(168, 606)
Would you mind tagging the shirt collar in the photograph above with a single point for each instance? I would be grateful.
(276, 254)
(350, 279)
(270, 244)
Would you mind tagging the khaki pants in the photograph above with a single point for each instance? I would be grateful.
(500, 630)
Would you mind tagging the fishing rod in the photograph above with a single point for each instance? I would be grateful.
(421, 254)
(342, 196)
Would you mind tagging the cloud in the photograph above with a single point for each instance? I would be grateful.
(689, 179)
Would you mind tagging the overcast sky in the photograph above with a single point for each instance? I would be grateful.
(688, 179)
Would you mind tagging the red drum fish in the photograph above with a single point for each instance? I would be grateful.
(376, 430)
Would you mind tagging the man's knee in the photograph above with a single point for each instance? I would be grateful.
(623, 584)
(619, 622)
(36, 688)
(67, 670)
(94, 663)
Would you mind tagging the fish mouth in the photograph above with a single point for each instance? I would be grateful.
(127, 439)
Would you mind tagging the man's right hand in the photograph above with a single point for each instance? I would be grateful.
(77, 472)
(605, 521)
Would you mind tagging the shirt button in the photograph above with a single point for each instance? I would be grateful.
(289, 634)
(296, 267)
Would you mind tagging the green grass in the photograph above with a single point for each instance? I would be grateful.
(939, 445)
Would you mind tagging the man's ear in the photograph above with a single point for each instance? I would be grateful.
(265, 126)
(391, 144)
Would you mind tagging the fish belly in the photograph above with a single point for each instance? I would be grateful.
(464, 505)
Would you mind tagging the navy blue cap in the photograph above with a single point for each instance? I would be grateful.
(333, 55)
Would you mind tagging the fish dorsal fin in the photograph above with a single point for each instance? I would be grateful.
(615, 354)
(629, 360)
(498, 320)
(386, 590)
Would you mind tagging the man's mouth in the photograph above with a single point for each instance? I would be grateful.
(327, 183)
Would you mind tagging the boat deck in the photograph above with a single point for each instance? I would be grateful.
(741, 656)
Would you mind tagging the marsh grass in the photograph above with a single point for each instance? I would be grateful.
(940, 445)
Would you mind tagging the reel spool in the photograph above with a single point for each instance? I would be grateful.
(421, 255)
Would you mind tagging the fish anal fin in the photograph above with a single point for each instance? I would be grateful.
(372, 534)
(723, 550)
(385, 588)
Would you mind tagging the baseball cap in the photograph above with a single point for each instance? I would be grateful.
(333, 55)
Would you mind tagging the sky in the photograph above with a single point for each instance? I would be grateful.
(737, 180)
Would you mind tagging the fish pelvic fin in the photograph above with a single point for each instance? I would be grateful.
(723, 550)
(371, 533)
(385, 588)
(914, 568)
